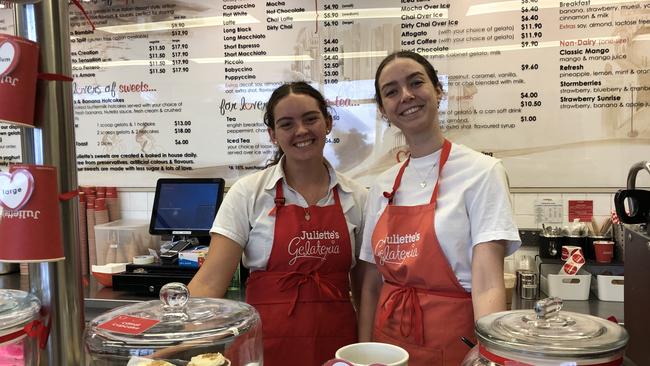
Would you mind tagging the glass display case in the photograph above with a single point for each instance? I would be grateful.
(547, 336)
(19, 313)
(176, 330)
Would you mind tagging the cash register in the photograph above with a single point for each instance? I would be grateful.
(183, 211)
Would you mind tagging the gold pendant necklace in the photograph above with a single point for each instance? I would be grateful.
(307, 215)
(423, 181)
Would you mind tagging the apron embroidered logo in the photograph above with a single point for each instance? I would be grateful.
(397, 248)
(316, 235)
(302, 246)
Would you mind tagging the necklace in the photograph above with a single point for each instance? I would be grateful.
(307, 215)
(423, 181)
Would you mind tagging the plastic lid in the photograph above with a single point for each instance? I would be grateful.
(17, 308)
(546, 331)
(181, 319)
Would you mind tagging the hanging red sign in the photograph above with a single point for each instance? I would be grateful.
(30, 225)
(18, 74)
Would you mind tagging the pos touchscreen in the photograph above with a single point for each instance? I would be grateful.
(185, 206)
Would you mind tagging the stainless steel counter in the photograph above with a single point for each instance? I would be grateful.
(593, 306)
(97, 298)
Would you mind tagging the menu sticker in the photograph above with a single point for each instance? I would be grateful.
(128, 324)
(583, 210)
(548, 211)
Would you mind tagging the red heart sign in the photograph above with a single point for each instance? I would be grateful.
(15, 189)
(9, 56)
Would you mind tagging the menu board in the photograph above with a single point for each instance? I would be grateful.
(10, 151)
(559, 90)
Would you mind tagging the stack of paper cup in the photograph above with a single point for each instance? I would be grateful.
(113, 203)
(83, 234)
(106, 251)
(101, 192)
(90, 228)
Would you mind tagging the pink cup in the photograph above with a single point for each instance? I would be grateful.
(604, 251)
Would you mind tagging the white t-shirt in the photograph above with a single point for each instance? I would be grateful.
(473, 204)
(244, 212)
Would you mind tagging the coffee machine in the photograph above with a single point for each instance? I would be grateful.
(637, 258)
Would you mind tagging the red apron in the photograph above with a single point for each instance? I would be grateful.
(303, 296)
(422, 306)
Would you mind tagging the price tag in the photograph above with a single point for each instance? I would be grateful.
(128, 324)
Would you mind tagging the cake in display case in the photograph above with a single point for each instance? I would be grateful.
(176, 330)
(19, 316)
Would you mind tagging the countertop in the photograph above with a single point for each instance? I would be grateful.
(593, 306)
(99, 299)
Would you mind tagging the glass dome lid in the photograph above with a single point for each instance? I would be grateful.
(175, 318)
(546, 331)
(17, 308)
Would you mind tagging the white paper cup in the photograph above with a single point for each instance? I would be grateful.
(364, 354)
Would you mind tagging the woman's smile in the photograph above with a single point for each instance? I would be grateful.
(411, 110)
(302, 144)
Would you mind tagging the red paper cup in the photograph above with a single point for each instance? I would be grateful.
(111, 192)
(31, 224)
(604, 251)
(18, 71)
(100, 204)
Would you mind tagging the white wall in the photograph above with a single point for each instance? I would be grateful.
(138, 204)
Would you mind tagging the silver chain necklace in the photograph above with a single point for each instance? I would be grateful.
(423, 181)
